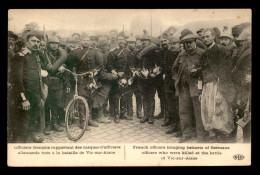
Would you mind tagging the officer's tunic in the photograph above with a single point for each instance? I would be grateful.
(26, 79)
(117, 60)
(148, 61)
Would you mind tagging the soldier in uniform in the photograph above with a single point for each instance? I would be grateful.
(55, 58)
(117, 64)
(103, 46)
(159, 79)
(241, 76)
(131, 59)
(171, 101)
(27, 90)
(147, 57)
(81, 60)
(186, 71)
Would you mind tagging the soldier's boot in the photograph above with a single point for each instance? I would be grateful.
(144, 119)
(168, 121)
(161, 114)
(123, 113)
(47, 130)
(116, 119)
(37, 137)
(177, 129)
(62, 118)
(55, 125)
(101, 117)
(92, 122)
(172, 128)
(150, 120)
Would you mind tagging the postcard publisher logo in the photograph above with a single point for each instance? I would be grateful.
(238, 157)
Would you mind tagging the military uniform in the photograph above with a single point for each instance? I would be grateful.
(242, 67)
(84, 60)
(117, 60)
(187, 90)
(171, 101)
(158, 81)
(138, 85)
(148, 58)
(55, 88)
(27, 85)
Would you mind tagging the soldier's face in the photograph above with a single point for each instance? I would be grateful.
(225, 41)
(164, 43)
(33, 43)
(174, 46)
(11, 42)
(54, 46)
(85, 42)
(190, 45)
(93, 43)
(70, 45)
(131, 45)
(42, 46)
(121, 41)
(146, 43)
(112, 36)
(207, 38)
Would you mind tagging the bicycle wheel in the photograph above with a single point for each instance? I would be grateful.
(75, 122)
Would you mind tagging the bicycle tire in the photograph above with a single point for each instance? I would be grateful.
(68, 117)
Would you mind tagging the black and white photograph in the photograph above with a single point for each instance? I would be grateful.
(129, 76)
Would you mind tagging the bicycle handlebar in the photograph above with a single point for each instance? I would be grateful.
(78, 74)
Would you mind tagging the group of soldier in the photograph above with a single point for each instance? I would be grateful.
(203, 82)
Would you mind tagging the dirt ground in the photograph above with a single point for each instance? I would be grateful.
(127, 131)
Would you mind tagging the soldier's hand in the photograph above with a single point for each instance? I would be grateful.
(49, 67)
(26, 105)
(61, 69)
(114, 72)
(163, 76)
(67, 90)
(91, 74)
(248, 78)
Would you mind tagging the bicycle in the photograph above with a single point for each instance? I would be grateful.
(76, 124)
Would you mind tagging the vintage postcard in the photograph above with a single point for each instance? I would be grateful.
(129, 87)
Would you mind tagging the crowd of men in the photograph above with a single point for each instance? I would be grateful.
(203, 82)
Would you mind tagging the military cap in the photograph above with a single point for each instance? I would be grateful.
(164, 36)
(102, 41)
(185, 32)
(217, 31)
(37, 34)
(54, 40)
(243, 36)
(70, 40)
(237, 30)
(131, 38)
(145, 36)
(95, 38)
(12, 35)
(62, 42)
(75, 34)
(174, 40)
(42, 42)
(226, 34)
(121, 34)
(200, 30)
(189, 37)
(137, 37)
